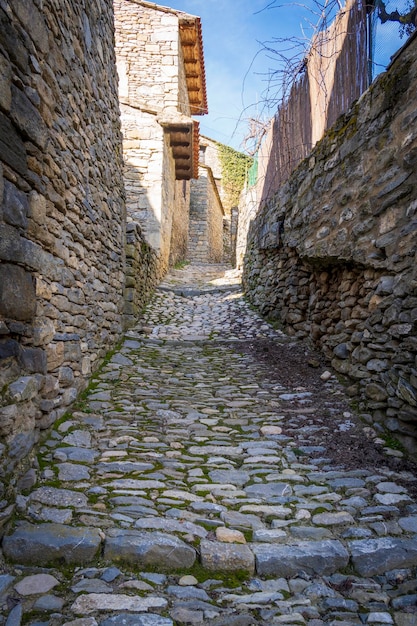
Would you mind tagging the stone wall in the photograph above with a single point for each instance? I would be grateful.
(149, 58)
(206, 220)
(180, 223)
(142, 274)
(62, 214)
(247, 211)
(333, 255)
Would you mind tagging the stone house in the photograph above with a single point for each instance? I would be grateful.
(160, 64)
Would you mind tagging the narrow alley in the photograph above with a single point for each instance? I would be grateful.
(213, 474)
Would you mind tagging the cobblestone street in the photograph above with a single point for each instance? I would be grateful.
(196, 483)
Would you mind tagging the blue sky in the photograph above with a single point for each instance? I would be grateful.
(237, 67)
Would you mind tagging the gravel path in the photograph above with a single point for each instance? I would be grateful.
(199, 482)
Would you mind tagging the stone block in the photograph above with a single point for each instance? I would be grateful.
(12, 43)
(217, 556)
(407, 392)
(5, 81)
(12, 148)
(55, 355)
(146, 549)
(27, 118)
(313, 557)
(17, 293)
(91, 602)
(371, 557)
(15, 206)
(8, 417)
(17, 249)
(22, 444)
(132, 619)
(43, 331)
(25, 388)
(33, 360)
(9, 348)
(34, 23)
(37, 209)
(45, 544)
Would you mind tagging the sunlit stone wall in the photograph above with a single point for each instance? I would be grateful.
(332, 256)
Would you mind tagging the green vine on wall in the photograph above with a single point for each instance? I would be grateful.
(235, 166)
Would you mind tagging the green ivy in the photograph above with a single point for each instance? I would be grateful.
(235, 166)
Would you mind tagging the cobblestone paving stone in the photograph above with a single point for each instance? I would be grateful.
(188, 487)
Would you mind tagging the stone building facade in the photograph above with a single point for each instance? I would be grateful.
(333, 255)
(212, 225)
(62, 212)
(206, 219)
(161, 85)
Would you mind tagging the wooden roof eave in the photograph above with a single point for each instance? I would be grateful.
(191, 39)
(184, 139)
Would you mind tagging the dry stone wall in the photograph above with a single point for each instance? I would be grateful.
(333, 255)
(62, 213)
(206, 220)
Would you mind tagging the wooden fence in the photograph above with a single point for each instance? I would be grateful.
(335, 74)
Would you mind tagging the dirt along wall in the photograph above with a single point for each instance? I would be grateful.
(332, 256)
(62, 214)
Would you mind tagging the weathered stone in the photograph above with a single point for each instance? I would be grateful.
(21, 444)
(53, 496)
(407, 392)
(48, 543)
(315, 557)
(78, 439)
(333, 519)
(25, 388)
(273, 535)
(376, 392)
(15, 206)
(341, 351)
(168, 525)
(69, 472)
(240, 520)
(28, 118)
(227, 535)
(49, 603)
(17, 293)
(36, 584)
(371, 557)
(91, 586)
(5, 83)
(12, 148)
(87, 621)
(80, 455)
(33, 360)
(188, 592)
(185, 581)
(235, 477)
(5, 582)
(148, 549)
(43, 331)
(129, 619)
(15, 616)
(409, 524)
(226, 557)
(92, 602)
